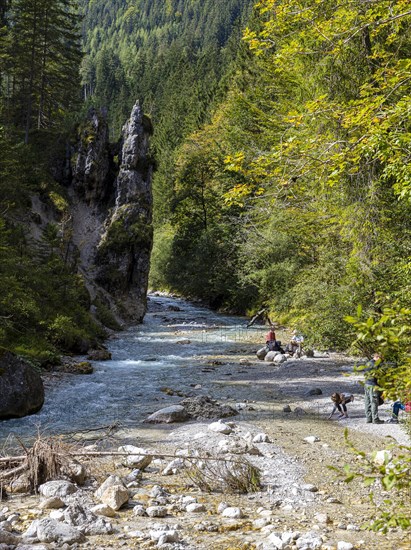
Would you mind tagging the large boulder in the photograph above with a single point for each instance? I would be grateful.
(203, 406)
(168, 415)
(21, 387)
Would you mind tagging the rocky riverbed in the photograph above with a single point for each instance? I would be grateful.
(281, 428)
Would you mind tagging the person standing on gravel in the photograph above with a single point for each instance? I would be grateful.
(372, 395)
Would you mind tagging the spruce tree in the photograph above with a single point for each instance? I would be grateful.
(45, 42)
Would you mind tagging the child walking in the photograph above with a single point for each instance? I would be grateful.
(340, 401)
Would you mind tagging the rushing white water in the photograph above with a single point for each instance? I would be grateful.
(144, 358)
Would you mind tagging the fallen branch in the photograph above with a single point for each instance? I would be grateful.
(12, 458)
(13, 472)
(121, 453)
(155, 455)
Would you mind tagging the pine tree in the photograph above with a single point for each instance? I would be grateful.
(45, 42)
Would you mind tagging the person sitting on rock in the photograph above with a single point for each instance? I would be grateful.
(295, 344)
(272, 344)
(340, 401)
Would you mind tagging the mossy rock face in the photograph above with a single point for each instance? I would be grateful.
(83, 368)
(123, 235)
(71, 366)
(99, 355)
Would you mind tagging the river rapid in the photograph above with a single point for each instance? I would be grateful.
(176, 341)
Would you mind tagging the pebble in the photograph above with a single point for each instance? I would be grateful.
(309, 487)
(156, 511)
(51, 503)
(195, 508)
(260, 523)
(220, 427)
(232, 512)
(57, 514)
(322, 518)
(261, 438)
(221, 507)
(312, 439)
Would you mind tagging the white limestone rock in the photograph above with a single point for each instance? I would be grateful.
(220, 427)
(138, 457)
(115, 496)
(232, 512)
(58, 488)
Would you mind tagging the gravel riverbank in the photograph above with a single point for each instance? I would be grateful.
(301, 503)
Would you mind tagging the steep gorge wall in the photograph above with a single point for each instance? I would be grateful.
(106, 222)
(111, 213)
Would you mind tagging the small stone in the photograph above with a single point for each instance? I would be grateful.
(109, 482)
(309, 540)
(115, 496)
(221, 507)
(103, 510)
(138, 457)
(52, 503)
(157, 491)
(8, 538)
(220, 427)
(342, 545)
(59, 488)
(232, 512)
(261, 438)
(322, 518)
(139, 510)
(195, 508)
(168, 415)
(312, 439)
(287, 409)
(382, 457)
(188, 500)
(260, 523)
(333, 500)
(315, 391)
(136, 534)
(310, 487)
(276, 541)
(13, 518)
(266, 513)
(156, 511)
(173, 467)
(133, 476)
(57, 514)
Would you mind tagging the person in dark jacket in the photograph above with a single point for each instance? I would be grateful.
(372, 395)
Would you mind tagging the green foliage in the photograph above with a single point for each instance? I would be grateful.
(389, 471)
(105, 316)
(387, 332)
(40, 79)
(313, 208)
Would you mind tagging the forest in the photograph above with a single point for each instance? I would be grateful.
(282, 147)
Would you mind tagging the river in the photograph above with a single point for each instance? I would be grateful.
(169, 350)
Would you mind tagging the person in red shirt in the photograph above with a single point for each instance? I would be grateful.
(272, 344)
(270, 336)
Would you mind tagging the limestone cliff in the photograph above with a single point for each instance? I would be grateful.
(107, 224)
